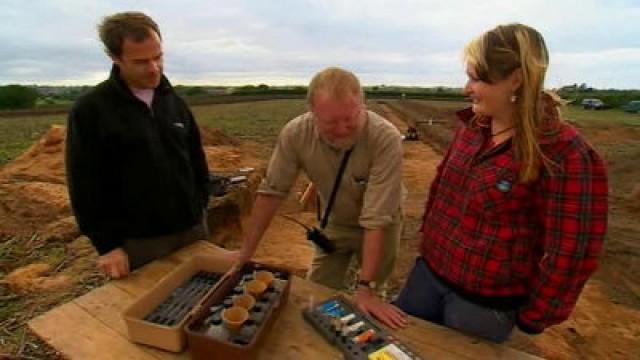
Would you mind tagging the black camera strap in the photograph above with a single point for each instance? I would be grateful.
(334, 191)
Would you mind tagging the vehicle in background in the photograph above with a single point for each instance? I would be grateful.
(632, 106)
(594, 104)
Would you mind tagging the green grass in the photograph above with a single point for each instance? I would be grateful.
(258, 121)
(584, 118)
(43, 103)
(600, 118)
(18, 133)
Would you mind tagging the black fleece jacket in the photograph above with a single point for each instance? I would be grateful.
(132, 171)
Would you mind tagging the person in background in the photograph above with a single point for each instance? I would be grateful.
(516, 217)
(136, 169)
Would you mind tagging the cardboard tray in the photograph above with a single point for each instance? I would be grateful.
(204, 347)
(170, 338)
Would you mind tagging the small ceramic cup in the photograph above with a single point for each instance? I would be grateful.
(264, 276)
(234, 317)
(244, 301)
(255, 288)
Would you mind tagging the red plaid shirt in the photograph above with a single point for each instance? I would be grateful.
(491, 236)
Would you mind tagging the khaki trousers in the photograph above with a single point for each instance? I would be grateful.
(332, 269)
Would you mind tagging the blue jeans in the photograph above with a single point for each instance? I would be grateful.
(428, 298)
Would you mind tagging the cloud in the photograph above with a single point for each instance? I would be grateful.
(411, 42)
(602, 69)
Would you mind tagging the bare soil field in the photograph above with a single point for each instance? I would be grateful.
(44, 261)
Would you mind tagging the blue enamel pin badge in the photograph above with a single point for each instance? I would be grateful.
(504, 185)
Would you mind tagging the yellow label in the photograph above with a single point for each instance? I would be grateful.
(389, 352)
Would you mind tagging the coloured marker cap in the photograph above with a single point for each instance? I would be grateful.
(347, 318)
(364, 337)
(352, 328)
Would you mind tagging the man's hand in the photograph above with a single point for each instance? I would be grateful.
(115, 264)
(239, 258)
(388, 314)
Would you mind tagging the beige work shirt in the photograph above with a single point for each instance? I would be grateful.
(371, 189)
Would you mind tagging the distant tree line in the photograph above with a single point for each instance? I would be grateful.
(611, 97)
(266, 89)
(36, 97)
(17, 97)
(380, 91)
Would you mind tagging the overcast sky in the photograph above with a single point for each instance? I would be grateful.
(397, 42)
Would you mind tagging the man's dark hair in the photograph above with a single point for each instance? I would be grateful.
(114, 29)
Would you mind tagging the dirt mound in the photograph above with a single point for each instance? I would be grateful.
(32, 278)
(427, 110)
(26, 207)
(597, 329)
(229, 158)
(43, 161)
(223, 157)
(613, 135)
(634, 199)
(216, 137)
(635, 193)
(61, 230)
(33, 192)
(285, 245)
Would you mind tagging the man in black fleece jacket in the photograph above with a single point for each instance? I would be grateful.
(136, 170)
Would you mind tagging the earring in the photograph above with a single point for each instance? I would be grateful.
(513, 98)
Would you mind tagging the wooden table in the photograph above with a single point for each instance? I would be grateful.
(91, 326)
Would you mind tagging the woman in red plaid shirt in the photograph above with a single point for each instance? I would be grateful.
(517, 214)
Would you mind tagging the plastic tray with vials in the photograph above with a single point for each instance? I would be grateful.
(356, 335)
(181, 301)
(236, 319)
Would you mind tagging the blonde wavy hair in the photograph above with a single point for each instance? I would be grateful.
(495, 55)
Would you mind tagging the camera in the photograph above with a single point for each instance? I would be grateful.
(321, 240)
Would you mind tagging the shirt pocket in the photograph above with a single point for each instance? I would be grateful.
(491, 194)
(357, 186)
